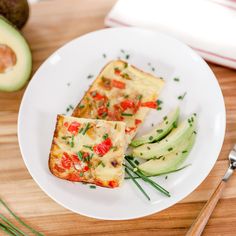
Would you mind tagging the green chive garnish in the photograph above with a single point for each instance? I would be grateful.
(92, 186)
(126, 114)
(89, 76)
(176, 79)
(159, 130)
(86, 128)
(105, 136)
(81, 106)
(89, 147)
(80, 155)
(137, 184)
(181, 97)
(145, 178)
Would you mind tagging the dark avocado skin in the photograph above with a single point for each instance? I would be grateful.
(15, 11)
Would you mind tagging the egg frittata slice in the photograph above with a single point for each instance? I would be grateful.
(88, 150)
(121, 92)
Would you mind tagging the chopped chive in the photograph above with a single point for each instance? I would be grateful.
(184, 151)
(86, 128)
(152, 124)
(104, 114)
(163, 158)
(176, 79)
(195, 114)
(137, 184)
(159, 130)
(81, 130)
(122, 50)
(140, 96)
(150, 138)
(108, 104)
(148, 148)
(67, 109)
(161, 78)
(159, 102)
(126, 96)
(105, 136)
(72, 141)
(115, 126)
(159, 108)
(81, 106)
(101, 163)
(114, 148)
(90, 76)
(136, 162)
(153, 69)
(166, 177)
(194, 132)
(126, 114)
(81, 174)
(125, 65)
(170, 149)
(104, 55)
(141, 153)
(92, 186)
(165, 118)
(181, 97)
(80, 155)
(89, 147)
(125, 75)
(166, 122)
(127, 56)
(71, 107)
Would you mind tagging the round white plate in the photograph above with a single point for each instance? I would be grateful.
(62, 80)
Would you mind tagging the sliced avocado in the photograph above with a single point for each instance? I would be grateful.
(15, 58)
(169, 162)
(160, 131)
(169, 143)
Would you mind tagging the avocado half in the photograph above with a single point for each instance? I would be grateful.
(15, 58)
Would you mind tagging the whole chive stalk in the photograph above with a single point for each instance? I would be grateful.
(145, 178)
(137, 184)
(6, 229)
(13, 228)
(19, 219)
(164, 173)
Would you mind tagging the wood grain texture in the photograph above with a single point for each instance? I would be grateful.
(52, 24)
(199, 224)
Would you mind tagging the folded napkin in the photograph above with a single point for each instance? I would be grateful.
(208, 26)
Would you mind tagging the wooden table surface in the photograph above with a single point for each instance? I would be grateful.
(52, 24)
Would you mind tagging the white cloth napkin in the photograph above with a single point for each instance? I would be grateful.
(208, 26)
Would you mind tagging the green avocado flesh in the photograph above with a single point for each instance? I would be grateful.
(169, 143)
(160, 131)
(15, 58)
(169, 162)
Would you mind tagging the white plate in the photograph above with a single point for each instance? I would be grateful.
(48, 94)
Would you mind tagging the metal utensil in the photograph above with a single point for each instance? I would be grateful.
(203, 217)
